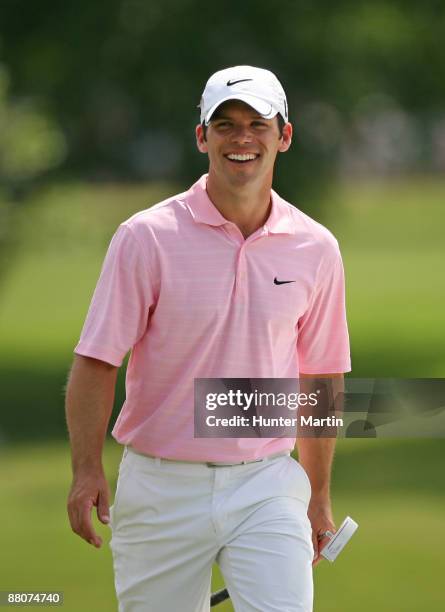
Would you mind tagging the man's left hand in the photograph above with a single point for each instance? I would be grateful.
(320, 515)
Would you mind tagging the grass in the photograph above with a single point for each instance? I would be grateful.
(392, 488)
(392, 243)
(391, 240)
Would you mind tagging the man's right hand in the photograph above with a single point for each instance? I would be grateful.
(88, 490)
(89, 401)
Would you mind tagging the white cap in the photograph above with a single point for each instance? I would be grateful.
(257, 87)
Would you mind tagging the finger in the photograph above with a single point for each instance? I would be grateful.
(74, 517)
(103, 510)
(86, 526)
(316, 560)
(96, 541)
(315, 545)
(321, 543)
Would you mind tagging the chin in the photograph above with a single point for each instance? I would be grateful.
(244, 174)
(242, 178)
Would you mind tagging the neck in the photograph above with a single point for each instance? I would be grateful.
(248, 206)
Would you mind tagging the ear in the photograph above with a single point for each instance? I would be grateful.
(200, 142)
(286, 138)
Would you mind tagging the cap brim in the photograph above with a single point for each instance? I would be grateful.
(265, 109)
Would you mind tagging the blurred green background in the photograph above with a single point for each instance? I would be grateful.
(97, 110)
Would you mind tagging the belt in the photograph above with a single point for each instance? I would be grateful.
(212, 464)
(267, 458)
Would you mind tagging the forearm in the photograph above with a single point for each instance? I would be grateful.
(316, 456)
(89, 402)
(315, 451)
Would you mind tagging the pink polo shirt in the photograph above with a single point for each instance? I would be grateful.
(191, 298)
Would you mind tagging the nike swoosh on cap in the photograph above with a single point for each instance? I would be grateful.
(230, 82)
(277, 282)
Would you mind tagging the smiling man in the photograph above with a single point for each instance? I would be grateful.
(225, 280)
(242, 147)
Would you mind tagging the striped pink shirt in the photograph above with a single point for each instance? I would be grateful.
(191, 298)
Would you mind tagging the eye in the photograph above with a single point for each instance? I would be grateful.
(259, 124)
(223, 124)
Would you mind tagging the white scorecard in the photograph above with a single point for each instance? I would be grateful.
(339, 539)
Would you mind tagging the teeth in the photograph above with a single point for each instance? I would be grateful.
(244, 157)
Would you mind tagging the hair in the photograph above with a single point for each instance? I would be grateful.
(280, 120)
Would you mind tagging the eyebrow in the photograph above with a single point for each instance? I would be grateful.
(231, 118)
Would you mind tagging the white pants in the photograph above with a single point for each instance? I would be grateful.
(172, 520)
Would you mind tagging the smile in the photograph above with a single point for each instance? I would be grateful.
(242, 157)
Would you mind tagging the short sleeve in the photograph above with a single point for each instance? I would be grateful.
(119, 310)
(323, 339)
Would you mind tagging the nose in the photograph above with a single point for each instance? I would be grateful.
(241, 134)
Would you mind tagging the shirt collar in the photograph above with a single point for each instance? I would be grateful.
(200, 205)
(203, 210)
(281, 220)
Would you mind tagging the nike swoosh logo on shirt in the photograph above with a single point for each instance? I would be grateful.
(229, 83)
(277, 282)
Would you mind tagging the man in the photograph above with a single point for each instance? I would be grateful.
(225, 280)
